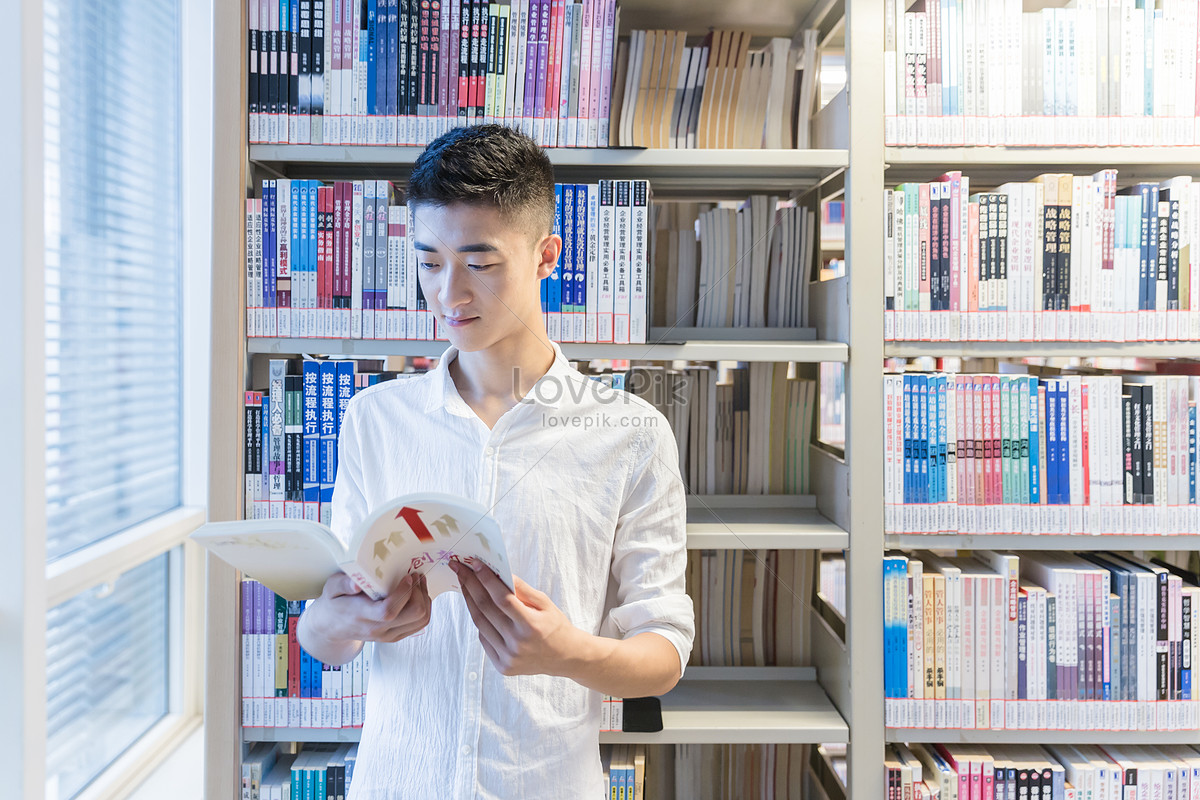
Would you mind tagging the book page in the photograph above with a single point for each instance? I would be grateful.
(423, 533)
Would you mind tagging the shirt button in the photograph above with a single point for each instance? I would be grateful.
(491, 451)
(473, 675)
(466, 749)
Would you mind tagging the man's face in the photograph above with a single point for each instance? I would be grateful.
(480, 273)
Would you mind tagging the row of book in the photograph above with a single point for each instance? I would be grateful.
(1051, 641)
(285, 687)
(1099, 72)
(833, 580)
(764, 771)
(282, 685)
(744, 264)
(1041, 772)
(717, 93)
(318, 771)
(291, 435)
(403, 73)
(751, 607)
(337, 261)
(1095, 454)
(624, 768)
(741, 428)
(1062, 257)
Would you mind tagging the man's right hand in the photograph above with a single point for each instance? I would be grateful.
(343, 617)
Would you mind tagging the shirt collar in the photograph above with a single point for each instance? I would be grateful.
(549, 390)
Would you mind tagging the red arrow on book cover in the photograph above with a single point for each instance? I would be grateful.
(413, 517)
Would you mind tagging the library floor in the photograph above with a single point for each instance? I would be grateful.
(180, 777)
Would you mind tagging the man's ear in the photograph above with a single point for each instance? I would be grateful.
(548, 249)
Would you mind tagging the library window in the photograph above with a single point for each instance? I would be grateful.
(117, 414)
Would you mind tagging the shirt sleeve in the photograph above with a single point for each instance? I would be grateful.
(650, 547)
(349, 498)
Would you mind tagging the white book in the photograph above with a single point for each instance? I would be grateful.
(409, 534)
(592, 271)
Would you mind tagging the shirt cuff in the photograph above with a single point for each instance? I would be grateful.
(683, 644)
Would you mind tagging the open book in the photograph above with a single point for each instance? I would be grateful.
(414, 533)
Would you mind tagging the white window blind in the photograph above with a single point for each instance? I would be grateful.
(106, 674)
(113, 266)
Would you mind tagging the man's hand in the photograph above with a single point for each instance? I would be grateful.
(522, 632)
(343, 617)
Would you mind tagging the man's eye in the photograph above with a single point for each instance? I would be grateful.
(480, 267)
(427, 265)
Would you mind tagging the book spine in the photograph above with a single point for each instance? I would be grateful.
(607, 262)
(622, 262)
(311, 438)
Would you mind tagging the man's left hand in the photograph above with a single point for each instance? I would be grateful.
(522, 632)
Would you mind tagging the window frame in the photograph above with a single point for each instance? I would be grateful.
(28, 585)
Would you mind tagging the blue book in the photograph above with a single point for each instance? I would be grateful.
(1052, 494)
(327, 423)
(943, 440)
(929, 429)
(906, 428)
(392, 90)
(564, 215)
(269, 266)
(345, 389)
(312, 440)
(1064, 444)
(582, 235)
(262, 512)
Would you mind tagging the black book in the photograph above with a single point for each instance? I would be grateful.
(1148, 445)
(1127, 442)
(1136, 406)
(293, 71)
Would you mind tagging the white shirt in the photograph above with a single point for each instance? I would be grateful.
(584, 483)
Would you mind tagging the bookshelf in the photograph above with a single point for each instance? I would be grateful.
(714, 705)
(846, 509)
(731, 706)
(701, 350)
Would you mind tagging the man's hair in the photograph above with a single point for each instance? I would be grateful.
(487, 165)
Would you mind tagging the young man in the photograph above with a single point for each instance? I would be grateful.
(491, 693)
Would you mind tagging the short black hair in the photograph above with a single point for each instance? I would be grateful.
(487, 165)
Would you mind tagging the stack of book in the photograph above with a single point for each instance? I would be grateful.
(1098, 454)
(833, 580)
(291, 434)
(741, 429)
(1063, 257)
(282, 685)
(732, 264)
(1052, 641)
(388, 73)
(1055, 772)
(318, 771)
(402, 73)
(718, 93)
(961, 72)
(751, 607)
(715, 771)
(337, 261)
(625, 769)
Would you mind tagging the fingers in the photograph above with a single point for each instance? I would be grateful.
(341, 584)
(488, 618)
(410, 617)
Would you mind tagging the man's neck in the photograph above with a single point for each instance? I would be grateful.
(504, 373)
